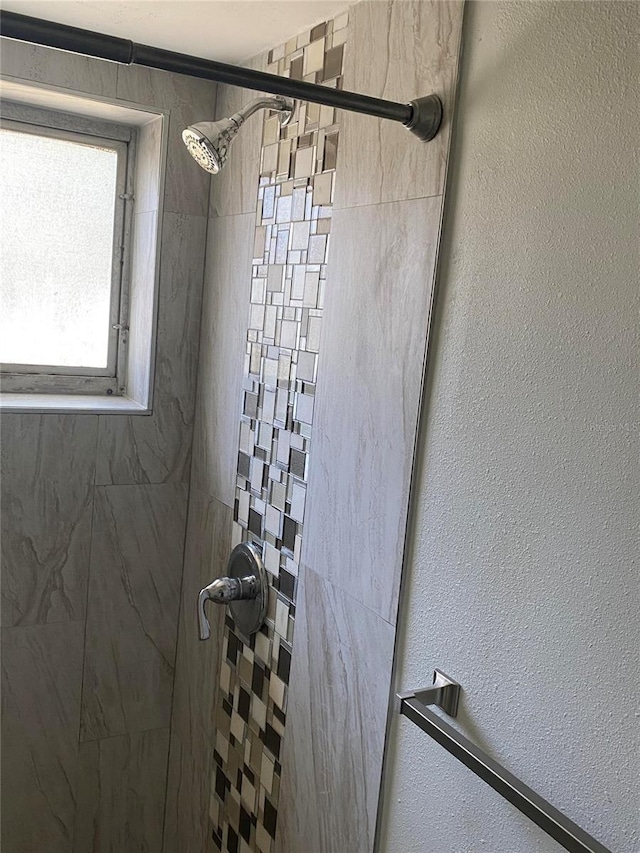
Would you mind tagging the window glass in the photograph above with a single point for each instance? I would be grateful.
(57, 203)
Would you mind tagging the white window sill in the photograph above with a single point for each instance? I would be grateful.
(65, 403)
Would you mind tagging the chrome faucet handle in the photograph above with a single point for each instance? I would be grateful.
(246, 590)
(223, 591)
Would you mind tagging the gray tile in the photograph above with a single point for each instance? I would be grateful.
(186, 188)
(47, 470)
(187, 801)
(41, 680)
(58, 68)
(207, 548)
(189, 100)
(148, 173)
(156, 449)
(376, 320)
(121, 784)
(163, 89)
(416, 47)
(222, 346)
(336, 719)
(142, 307)
(235, 189)
(133, 603)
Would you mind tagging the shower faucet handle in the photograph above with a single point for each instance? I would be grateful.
(223, 591)
(246, 589)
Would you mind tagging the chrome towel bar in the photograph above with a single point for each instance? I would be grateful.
(413, 706)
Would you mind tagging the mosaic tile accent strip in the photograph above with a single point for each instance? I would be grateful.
(295, 195)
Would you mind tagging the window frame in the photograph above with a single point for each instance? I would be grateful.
(60, 379)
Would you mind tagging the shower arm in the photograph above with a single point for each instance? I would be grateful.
(278, 104)
(285, 106)
(421, 116)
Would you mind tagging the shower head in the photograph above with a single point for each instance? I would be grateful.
(208, 141)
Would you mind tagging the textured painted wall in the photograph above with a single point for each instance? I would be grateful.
(93, 524)
(521, 579)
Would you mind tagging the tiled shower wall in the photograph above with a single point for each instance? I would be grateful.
(307, 406)
(93, 524)
(257, 384)
(297, 173)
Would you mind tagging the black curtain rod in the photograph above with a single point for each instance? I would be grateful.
(422, 116)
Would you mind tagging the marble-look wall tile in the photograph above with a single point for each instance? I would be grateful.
(142, 307)
(336, 719)
(397, 50)
(189, 100)
(235, 189)
(156, 449)
(58, 68)
(193, 735)
(41, 681)
(134, 596)
(48, 466)
(186, 188)
(365, 420)
(121, 782)
(142, 85)
(149, 166)
(225, 313)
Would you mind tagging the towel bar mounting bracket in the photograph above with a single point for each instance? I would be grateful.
(445, 693)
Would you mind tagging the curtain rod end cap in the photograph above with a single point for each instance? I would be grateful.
(426, 117)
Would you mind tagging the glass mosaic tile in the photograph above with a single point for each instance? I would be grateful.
(271, 314)
(296, 69)
(330, 151)
(339, 37)
(300, 235)
(313, 335)
(268, 202)
(306, 366)
(304, 408)
(317, 249)
(314, 56)
(322, 188)
(294, 196)
(284, 157)
(282, 243)
(333, 63)
(304, 163)
(318, 32)
(303, 39)
(271, 130)
(284, 205)
(269, 162)
(275, 277)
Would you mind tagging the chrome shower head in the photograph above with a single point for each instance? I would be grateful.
(208, 141)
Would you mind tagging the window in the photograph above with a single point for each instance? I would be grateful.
(63, 230)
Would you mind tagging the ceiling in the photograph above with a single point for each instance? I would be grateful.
(226, 30)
